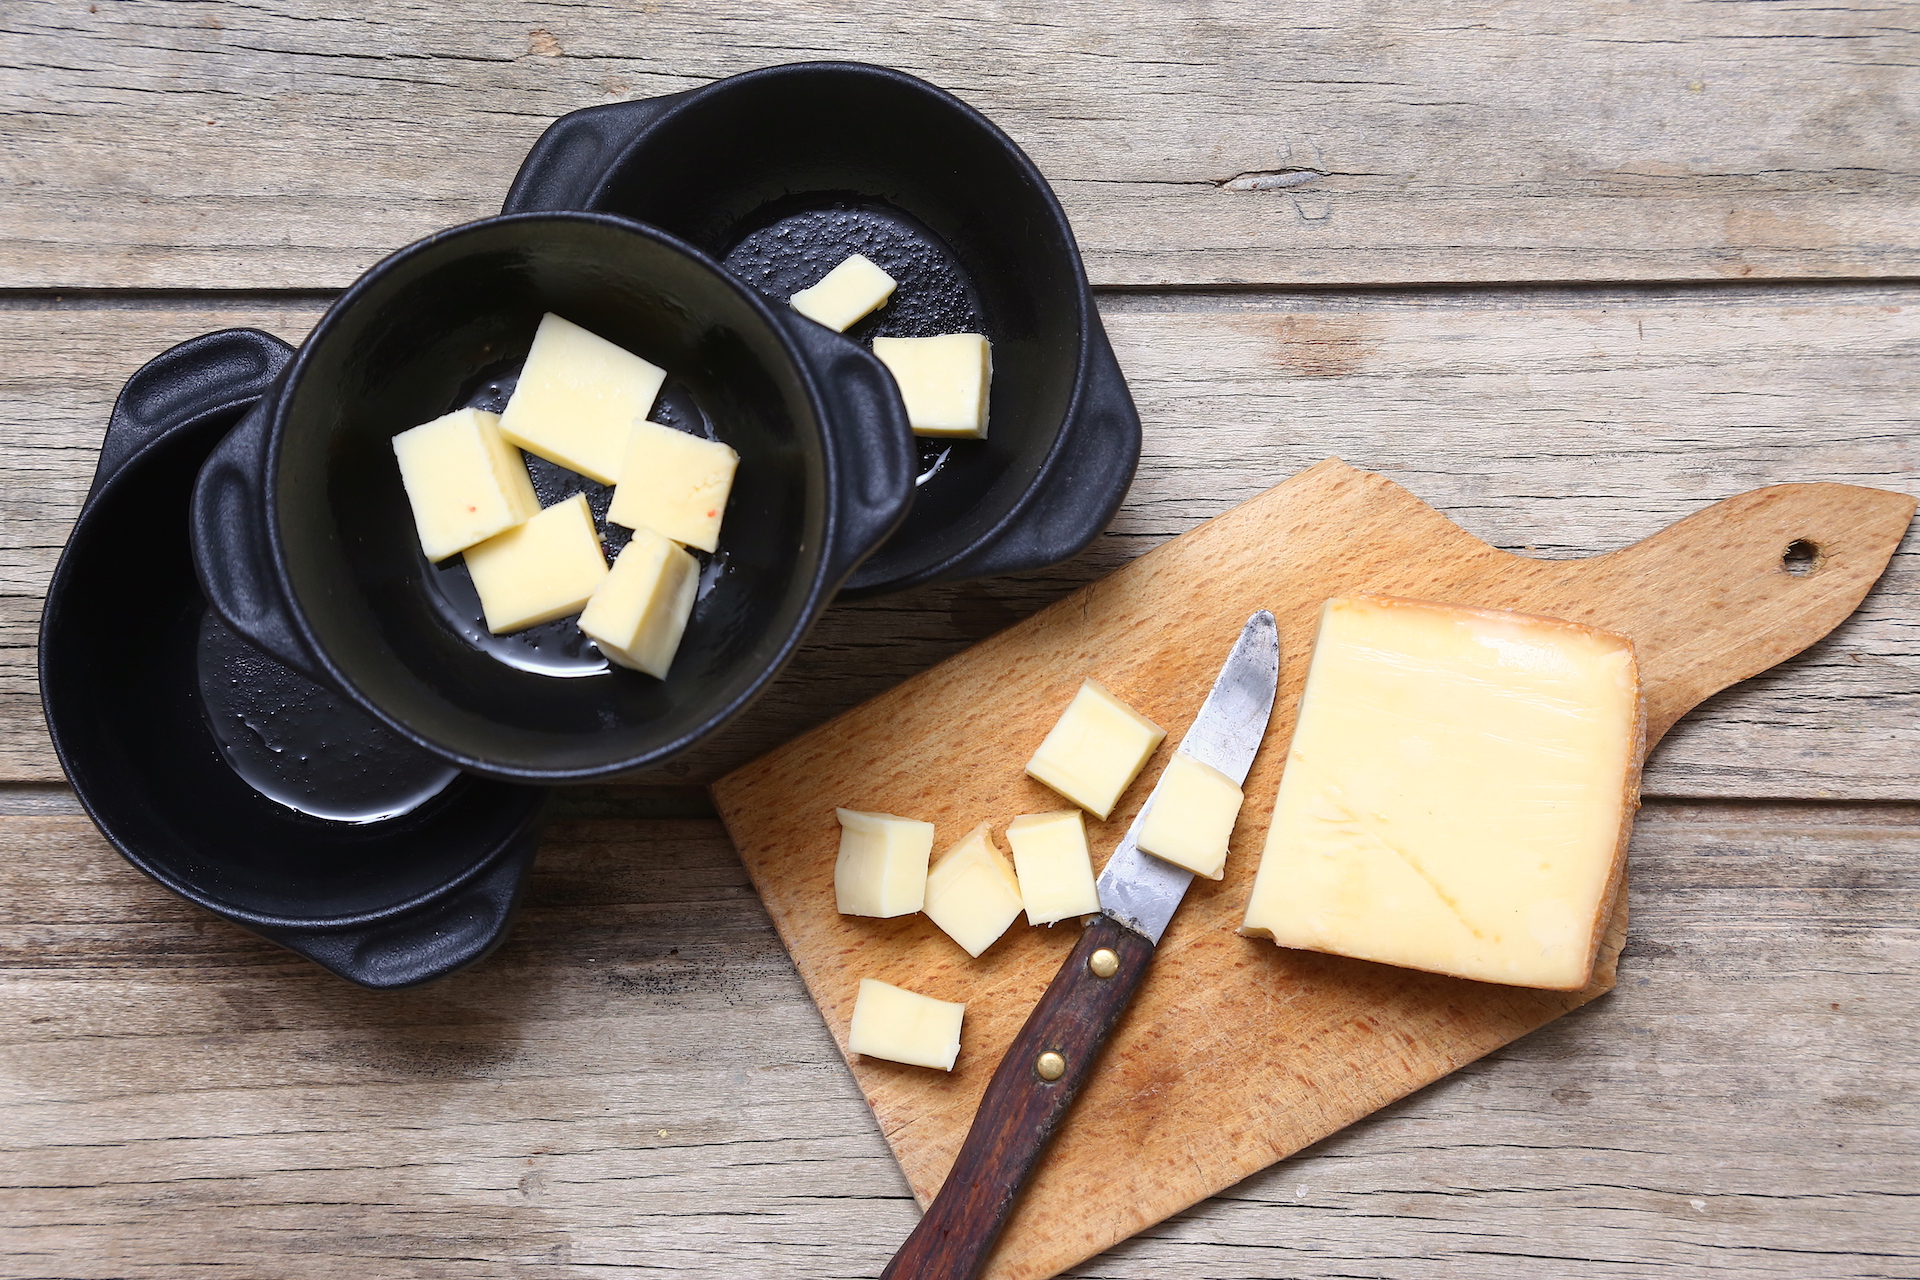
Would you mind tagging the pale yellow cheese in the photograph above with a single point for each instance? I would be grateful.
(1457, 795)
(944, 381)
(1056, 871)
(882, 866)
(904, 1026)
(1190, 817)
(463, 480)
(578, 398)
(1095, 749)
(972, 892)
(544, 569)
(675, 484)
(640, 610)
(845, 293)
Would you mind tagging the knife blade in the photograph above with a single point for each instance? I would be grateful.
(1055, 1052)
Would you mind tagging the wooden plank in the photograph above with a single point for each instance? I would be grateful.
(636, 1079)
(294, 143)
(1562, 422)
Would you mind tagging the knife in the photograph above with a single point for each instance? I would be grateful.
(1056, 1051)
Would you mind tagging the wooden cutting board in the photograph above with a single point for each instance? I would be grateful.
(1236, 1053)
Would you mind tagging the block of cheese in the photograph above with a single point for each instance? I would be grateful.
(845, 293)
(463, 480)
(675, 484)
(1095, 749)
(544, 569)
(944, 381)
(578, 398)
(1056, 871)
(1457, 795)
(972, 892)
(1190, 817)
(904, 1026)
(640, 609)
(882, 867)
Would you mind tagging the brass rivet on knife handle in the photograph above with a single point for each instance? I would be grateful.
(1050, 1065)
(1103, 963)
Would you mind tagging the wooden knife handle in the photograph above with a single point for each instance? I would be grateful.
(1022, 1108)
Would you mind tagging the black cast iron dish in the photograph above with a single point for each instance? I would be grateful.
(305, 542)
(781, 173)
(385, 903)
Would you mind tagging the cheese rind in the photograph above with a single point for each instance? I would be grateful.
(845, 294)
(1191, 817)
(640, 609)
(904, 1026)
(578, 398)
(973, 893)
(1056, 871)
(675, 484)
(1097, 746)
(544, 569)
(1457, 795)
(882, 866)
(944, 381)
(464, 482)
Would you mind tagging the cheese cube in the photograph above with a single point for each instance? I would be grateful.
(882, 867)
(904, 1026)
(1095, 749)
(1190, 817)
(640, 610)
(544, 569)
(846, 293)
(674, 484)
(943, 381)
(463, 480)
(1056, 871)
(972, 892)
(578, 398)
(1457, 795)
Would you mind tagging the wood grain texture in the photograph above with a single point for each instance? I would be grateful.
(293, 143)
(179, 1098)
(1237, 1052)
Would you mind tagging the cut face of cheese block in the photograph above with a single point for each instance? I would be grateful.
(882, 867)
(846, 293)
(640, 610)
(943, 381)
(1458, 793)
(544, 569)
(674, 484)
(904, 1026)
(972, 892)
(1095, 749)
(1190, 817)
(463, 480)
(578, 398)
(1056, 872)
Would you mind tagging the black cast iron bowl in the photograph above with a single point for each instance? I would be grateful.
(384, 904)
(781, 172)
(305, 544)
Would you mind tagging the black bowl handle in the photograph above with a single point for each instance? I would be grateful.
(578, 150)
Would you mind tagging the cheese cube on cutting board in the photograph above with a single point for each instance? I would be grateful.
(1458, 793)
(1056, 871)
(1191, 816)
(846, 293)
(1095, 749)
(972, 892)
(578, 398)
(904, 1026)
(544, 569)
(464, 482)
(882, 867)
(675, 484)
(943, 381)
(640, 609)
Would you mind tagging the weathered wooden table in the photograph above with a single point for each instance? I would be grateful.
(1567, 272)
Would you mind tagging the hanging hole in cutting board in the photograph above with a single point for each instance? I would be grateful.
(1801, 558)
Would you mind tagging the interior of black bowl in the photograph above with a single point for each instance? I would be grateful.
(433, 329)
(783, 173)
